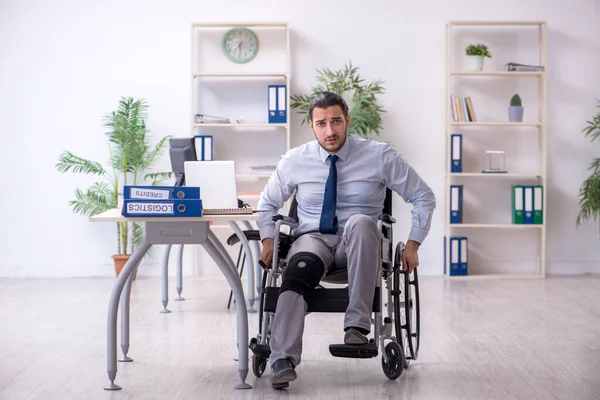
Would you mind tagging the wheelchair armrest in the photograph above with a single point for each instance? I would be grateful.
(387, 218)
(292, 223)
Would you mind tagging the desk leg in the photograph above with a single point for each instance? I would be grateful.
(125, 301)
(164, 287)
(257, 268)
(179, 273)
(249, 261)
(113, 310)
(215, 249)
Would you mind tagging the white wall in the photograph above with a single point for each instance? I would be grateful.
(63, 64)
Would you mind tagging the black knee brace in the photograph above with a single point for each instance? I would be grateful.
(303, 273)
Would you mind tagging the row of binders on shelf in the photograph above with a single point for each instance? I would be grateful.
(204, 147)
(527, 204)
(161, 201)
(459, 249)
(277, 104)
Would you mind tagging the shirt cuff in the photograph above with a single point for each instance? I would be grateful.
(267, 232)
(417, 234)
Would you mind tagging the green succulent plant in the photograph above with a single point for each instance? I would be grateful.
(515, 101)
(478, 50)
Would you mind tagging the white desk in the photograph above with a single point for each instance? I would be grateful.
(169, 231)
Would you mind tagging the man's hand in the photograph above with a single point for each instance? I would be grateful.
(410, 258)
(266, 255)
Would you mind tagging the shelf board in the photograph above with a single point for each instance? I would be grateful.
(499, 73)
(281, 75)
(495, 276)
(236, 125)
(496, 23)
(240, 24)
(497, 124)
(498, 226)
(494, 175)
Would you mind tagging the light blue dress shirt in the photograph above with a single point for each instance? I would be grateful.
(364, 169)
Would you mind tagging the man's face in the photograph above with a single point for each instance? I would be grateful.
(329, 127)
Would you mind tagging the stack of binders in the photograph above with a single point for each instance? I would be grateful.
(277, 104)
(459, 249)
(161, 201)
(528, 204)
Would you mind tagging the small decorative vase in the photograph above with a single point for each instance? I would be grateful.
(515, 114)
(475, 63)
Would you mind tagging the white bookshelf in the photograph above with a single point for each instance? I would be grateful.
(238, 91)
(493, 127)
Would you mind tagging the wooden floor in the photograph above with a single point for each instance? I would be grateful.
(531, 339)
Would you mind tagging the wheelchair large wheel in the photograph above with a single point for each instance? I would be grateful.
(406, 312)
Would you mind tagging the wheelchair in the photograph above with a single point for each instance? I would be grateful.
(396, 321)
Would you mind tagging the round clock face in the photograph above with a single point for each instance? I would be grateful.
(240, 45)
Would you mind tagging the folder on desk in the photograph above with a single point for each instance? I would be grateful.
(463, 264)
(528, 204)
(456, 150)
(162, 208)
(272, 104)
(281, 104)
(517, 204)
(160, 192)
(456, 197)
(204, 147)
(454, 256)
(538, 204)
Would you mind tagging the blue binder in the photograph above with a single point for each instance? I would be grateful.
(456, 151)
(160, 192)
(281, 104)
(456, 197)
(204, 147)
(162, 208)
(454, 256)
(272, 104)
(463, 252)
(528, 204)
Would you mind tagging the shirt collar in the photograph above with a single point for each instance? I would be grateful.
(342, 153)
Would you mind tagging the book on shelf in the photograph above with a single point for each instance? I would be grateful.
(462, 109)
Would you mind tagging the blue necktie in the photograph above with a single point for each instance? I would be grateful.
(329, 222)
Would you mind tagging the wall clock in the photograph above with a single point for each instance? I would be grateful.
(240, 45)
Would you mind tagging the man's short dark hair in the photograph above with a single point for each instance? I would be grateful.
(327, 99)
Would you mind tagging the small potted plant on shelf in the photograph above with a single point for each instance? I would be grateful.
(131, 156)
(361, 98)
(476, 54)
(589, 193)
(515, 110)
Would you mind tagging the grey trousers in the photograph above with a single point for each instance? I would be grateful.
(356, 247)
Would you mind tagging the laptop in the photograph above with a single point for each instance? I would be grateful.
(218, 187)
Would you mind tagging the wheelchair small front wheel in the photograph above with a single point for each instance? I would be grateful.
(259, 364)
(394, 367)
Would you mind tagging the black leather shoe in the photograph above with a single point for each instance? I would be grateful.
(282, 373)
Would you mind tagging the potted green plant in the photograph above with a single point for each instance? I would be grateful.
(515, 109)
(131, 157)
(589, 193)
(476, 54)
(361, 98)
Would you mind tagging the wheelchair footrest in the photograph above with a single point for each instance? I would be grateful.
(368, 350)
(262, 350)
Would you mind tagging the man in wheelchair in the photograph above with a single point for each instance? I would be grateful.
(340, 183)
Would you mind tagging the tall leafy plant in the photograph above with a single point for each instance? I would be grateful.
(131, 157)
(360, 96)
(589, 193)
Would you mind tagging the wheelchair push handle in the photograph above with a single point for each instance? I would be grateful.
(263, 265)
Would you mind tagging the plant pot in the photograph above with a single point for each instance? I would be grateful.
(515, 114)
(475, 63)
(120, 260)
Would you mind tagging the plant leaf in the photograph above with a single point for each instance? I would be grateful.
(67, 161)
